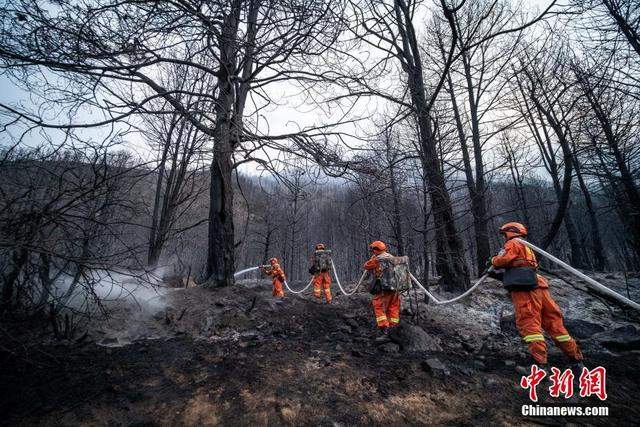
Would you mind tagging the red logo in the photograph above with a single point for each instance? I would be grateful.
(591, 382)
(532, 380)
(561, 384)
(594, 382)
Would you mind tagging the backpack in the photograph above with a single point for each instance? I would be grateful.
(523, 278)
(322, 260)
(395, 275)
(520, 279)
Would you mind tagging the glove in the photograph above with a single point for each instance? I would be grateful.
(312, 270)
(488, 267)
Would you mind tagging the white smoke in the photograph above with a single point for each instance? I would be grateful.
(140, 290)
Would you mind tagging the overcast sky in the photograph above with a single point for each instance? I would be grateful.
(289, 115)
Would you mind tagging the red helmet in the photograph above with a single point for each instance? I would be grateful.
(320, 247)
(513, 229)
(378, 245)
(273, 261)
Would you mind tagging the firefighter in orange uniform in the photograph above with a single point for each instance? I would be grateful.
(277, 277)
(321, 277)
(534, 307)
(386, 304)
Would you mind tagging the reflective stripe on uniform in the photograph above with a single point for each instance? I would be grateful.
(381, 318)
(533, 337)
(530, 255)
(394, 320)
(563, 338)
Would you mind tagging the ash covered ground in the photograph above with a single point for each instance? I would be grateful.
(238, 356)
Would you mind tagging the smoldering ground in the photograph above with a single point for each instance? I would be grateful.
(239, 354)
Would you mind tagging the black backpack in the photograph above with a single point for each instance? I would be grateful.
(520, 279)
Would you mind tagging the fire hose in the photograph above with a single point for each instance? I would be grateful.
(335, 273)
(247, 270)
(449, 301)
(592, 283)
(364, 274)
(301, 290)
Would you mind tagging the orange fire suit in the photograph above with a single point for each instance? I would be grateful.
(277, 279)
(386, 304)
(322, 281)
(535, 309)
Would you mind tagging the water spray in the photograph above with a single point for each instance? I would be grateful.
(246, 270)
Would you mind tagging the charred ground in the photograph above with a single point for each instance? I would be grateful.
(237, 356)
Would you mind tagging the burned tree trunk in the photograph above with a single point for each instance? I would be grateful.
(563, 192)
(626, 177)
(450, 261)
(547, 115)
(397, 219)
(425, 233)
(220, 257)
(155, 240)
(475, 185)
(153, 253)
(597, 248)
(396, 222)
(19, 259)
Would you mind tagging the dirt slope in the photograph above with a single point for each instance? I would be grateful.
(239, 357)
